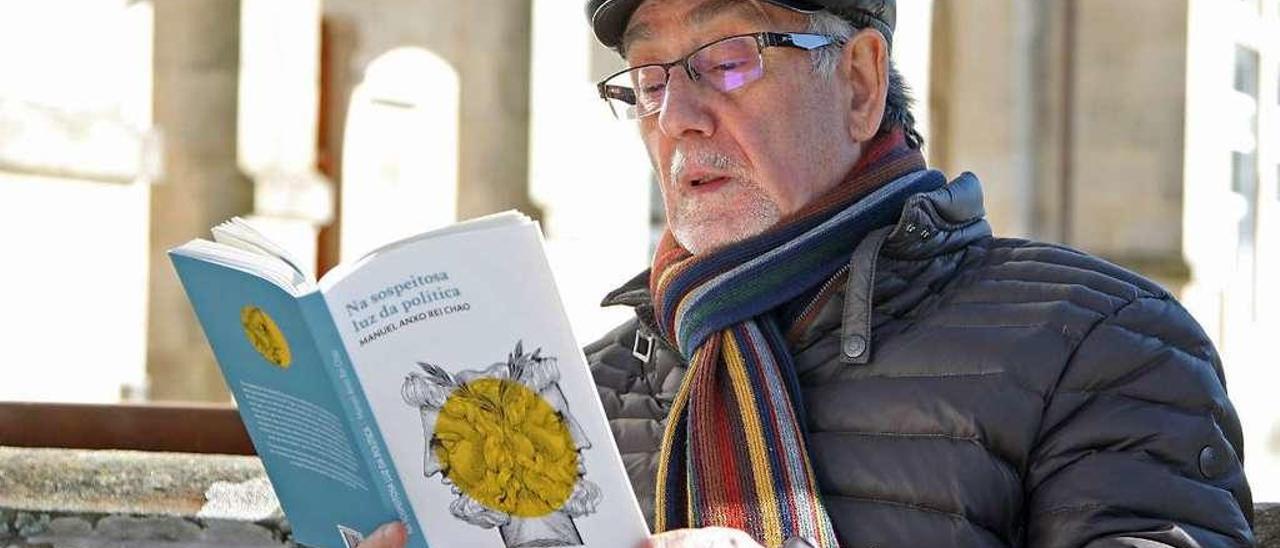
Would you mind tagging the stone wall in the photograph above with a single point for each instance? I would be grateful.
(59, 498)
(1073, 118)
(1266, 525)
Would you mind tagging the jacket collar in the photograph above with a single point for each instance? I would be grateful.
(633, 293)
(939, 221)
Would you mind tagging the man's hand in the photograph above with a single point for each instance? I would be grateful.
(391, 535)
(707, 537)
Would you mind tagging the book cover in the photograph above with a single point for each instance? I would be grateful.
(461, 392)
(288, 404)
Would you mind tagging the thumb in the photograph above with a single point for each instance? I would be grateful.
(391, 535)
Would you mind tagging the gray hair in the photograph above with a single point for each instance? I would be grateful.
(897, 107)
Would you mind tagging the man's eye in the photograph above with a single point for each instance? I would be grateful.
(726, 66)
(652, 89)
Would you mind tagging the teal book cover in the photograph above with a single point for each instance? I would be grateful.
(270, 359)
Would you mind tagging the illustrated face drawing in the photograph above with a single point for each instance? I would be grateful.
(505, 442)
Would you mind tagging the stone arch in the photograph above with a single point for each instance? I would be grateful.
(400, 152)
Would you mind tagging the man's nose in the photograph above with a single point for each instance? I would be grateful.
(684, 110)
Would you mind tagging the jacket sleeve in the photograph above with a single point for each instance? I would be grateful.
(634, 399)
(1139, 445)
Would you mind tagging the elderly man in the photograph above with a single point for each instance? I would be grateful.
(832, 350)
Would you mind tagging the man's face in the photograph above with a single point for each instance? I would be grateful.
(733, 163)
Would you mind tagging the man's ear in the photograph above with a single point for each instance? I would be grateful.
(865, 65)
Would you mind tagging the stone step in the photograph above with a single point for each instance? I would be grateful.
(69, 498)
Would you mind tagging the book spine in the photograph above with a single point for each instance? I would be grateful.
(360, 416)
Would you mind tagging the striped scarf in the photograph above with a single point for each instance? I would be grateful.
(733, 452)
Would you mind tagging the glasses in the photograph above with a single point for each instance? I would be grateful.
(725, 65)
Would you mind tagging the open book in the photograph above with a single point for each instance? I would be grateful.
(434, 381)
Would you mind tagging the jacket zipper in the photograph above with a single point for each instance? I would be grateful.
(817, 297)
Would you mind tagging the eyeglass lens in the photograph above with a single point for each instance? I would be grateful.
(725, 66)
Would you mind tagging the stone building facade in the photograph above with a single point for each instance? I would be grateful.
(1145, 131)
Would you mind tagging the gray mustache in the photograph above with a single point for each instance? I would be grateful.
(681, 161)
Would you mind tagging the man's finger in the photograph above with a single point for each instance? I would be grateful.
(391, 535)
(708, 537)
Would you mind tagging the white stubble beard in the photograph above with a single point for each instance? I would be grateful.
(702, 223)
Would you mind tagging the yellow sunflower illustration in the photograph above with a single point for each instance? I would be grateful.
(502, 444)
(265, 336)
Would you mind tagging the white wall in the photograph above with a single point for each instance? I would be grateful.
(1242, 321)
(588, 171)
(75, 95)
(912, 42)
(73, 283)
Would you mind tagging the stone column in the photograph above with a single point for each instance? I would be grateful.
(278, 122)
(1071, 113)
(197, 56)
(494, 135)
(1127, 120)
(981, 102)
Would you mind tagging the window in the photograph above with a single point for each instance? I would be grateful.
(1245, 172)
(1244, 181)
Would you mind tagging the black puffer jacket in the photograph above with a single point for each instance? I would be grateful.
(964, 390)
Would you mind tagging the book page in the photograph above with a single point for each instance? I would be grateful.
(484, 399)
(237, 232)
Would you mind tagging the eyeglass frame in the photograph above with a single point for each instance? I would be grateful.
(764, 40)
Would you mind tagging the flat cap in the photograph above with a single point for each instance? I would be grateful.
(609, 18)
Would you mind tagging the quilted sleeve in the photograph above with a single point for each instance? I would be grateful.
(1139, 445)
(636, 394)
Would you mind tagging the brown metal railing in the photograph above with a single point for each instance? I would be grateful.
(189, 428)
